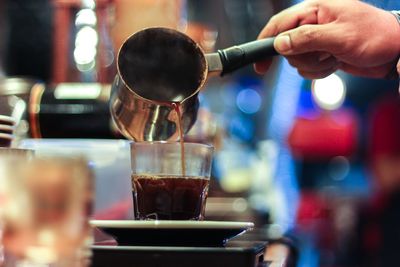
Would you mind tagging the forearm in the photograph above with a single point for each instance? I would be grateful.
(396, 13)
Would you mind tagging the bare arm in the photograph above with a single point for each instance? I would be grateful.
(318, 37)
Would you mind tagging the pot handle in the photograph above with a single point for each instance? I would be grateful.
(238, 56)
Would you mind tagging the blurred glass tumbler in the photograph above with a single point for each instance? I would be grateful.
(160, 191)
(17, 154)
(8, 155)
(7, 120)
(47, 203)
(6, 140)
(6, 130)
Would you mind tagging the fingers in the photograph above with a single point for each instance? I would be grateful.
(313, 62)
(262, 66)
(317, 75)
(308, 38)
(292, 17)
(303, 13)
(309, 63)
(314, 65)
(372, 72)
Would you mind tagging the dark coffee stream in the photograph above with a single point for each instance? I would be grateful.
(177, 108)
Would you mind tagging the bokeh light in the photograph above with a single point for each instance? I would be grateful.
(248, 101)
(329, 92)
(86, 48)
(339, 168)
(86, 17)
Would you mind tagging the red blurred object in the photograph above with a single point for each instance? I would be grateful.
(312, 207)
(315, 217)
(325, 136)
(63, 17)
(385, 128)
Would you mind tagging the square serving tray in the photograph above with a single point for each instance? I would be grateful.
(235, 254)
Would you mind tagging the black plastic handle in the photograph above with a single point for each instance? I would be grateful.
(238, 56)
(264, 264)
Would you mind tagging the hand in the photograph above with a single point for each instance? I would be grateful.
(318, 37)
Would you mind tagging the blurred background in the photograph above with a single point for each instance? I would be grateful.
(312, 162)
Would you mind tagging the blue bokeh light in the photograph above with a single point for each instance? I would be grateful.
(248, 101)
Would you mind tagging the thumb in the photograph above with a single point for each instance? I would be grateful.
(304, 39)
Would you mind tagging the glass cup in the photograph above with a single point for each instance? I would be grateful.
(8, 155)
(164, 190)
(7, 120)
(6, 140)
(46, 208)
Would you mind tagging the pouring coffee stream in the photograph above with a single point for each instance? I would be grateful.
(160, 73)
(181, 139)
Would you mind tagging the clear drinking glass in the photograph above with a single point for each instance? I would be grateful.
(162, 189)
(46, 208)
(8, 155)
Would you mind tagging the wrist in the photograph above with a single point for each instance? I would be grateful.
(396, 14)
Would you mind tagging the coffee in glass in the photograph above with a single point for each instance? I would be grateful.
(160, 191)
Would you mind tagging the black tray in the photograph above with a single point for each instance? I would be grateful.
(235, 254)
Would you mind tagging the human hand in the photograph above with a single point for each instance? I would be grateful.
(318, 37)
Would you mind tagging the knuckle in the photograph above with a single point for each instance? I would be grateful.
(273, 25)
(308, 75)
(302, 62)
(293, 62)
(273, 19)
(270, 29)
(308, 34)
(311, 9)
